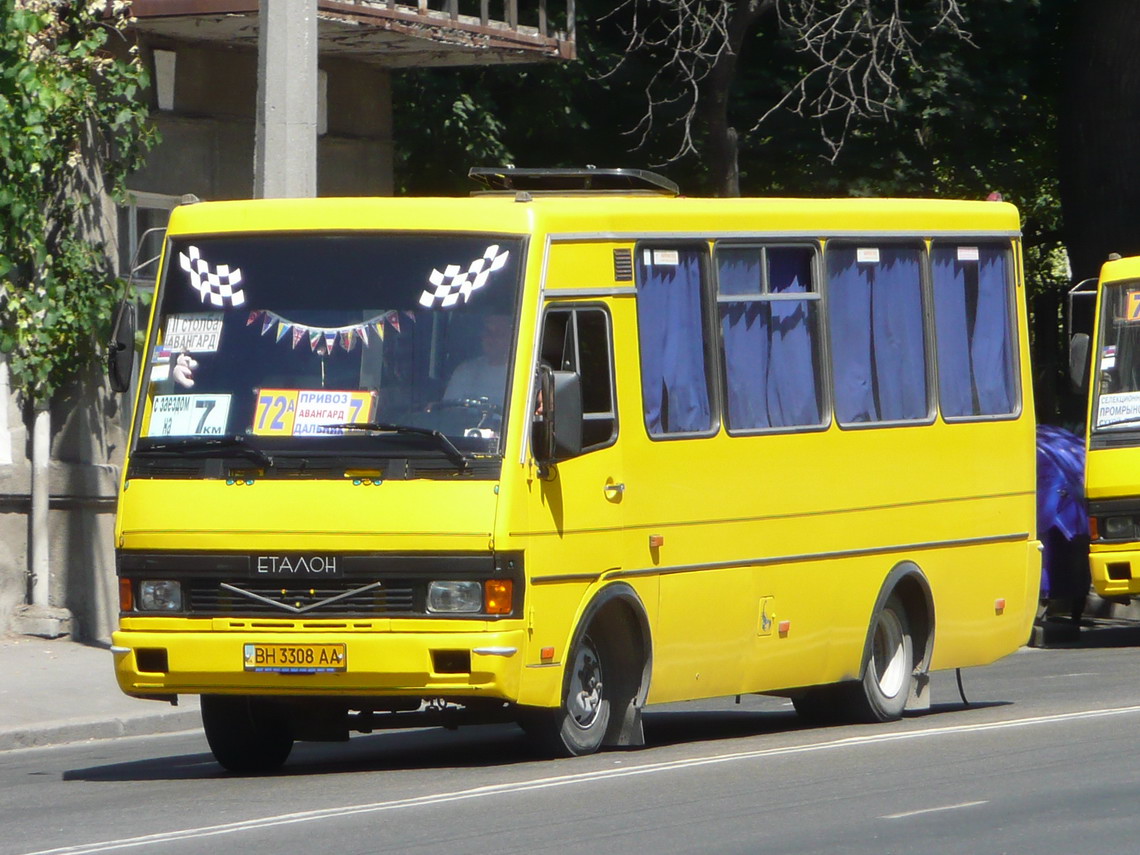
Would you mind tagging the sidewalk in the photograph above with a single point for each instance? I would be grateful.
(62, 691)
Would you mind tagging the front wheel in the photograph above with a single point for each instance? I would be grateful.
(579, 725)
(246, 734)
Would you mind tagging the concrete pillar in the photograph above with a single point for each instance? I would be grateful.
(40, 557)
(285, 151)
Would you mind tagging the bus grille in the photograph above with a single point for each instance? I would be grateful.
(352, 598)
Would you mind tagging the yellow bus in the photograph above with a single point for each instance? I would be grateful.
(1112, 433)
(571, 446)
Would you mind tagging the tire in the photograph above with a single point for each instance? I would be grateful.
(578, 727)
(246, 734)
(882, 694)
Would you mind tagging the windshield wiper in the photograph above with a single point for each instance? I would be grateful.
(458, 457)
(207, 446)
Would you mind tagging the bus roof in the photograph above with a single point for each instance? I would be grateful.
(1120, 268)
(603, 214)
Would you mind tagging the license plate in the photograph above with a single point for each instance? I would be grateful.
(295, 658)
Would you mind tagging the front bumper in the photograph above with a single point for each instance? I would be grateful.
(1115, 573)
(377, 664)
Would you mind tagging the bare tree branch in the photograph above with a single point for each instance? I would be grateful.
(855, 51)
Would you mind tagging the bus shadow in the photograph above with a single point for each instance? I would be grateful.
(1091, 635)
(497, 746)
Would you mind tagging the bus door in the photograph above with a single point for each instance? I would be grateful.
(575, 511)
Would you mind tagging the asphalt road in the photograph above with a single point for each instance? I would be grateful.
(1039, 761)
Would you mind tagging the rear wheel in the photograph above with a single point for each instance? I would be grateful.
(246, 734)
(882, 694)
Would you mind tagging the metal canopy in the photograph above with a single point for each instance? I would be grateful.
(392, 35)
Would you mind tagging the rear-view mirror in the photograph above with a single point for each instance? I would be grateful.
(1079, 362)
(558, 417)
(121, 348)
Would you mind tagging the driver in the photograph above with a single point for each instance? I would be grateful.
(485, 375)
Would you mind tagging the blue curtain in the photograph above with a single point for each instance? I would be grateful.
(992, 346)
(671, 333)
(793, 389)
(769, 349)
(876, 326)
(973, 327)
(952, 331)
(744, 329)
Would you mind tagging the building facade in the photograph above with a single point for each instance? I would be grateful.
(203, 57)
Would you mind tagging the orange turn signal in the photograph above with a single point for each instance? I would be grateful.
(497, 596)
(126, 596)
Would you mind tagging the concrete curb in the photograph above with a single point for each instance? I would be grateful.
(81, 730)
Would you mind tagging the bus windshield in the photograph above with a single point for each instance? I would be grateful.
(297, 344)
(1117, 387)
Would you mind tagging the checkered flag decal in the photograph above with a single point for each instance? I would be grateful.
(219, 286)
(450, 285)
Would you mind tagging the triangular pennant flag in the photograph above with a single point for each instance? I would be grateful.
(252, 317)
(362, 331)
(330, 340)
(394, 319)
(298, 334)
(379, 327)
(314, 338)
(410, 315)
(283, 328)
(347, 340)
(267, 323)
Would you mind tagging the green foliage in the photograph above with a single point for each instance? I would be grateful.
(70, 125)
(438, 151)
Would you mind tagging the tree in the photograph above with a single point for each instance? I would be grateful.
(853, 55)
(71, 126)
(1100, 175)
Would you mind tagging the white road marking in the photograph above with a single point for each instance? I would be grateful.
(566, 780)
(907, 813)
(1068, 676)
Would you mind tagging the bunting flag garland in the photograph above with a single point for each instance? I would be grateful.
(324, 340)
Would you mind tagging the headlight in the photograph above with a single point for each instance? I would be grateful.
(455, 597)
(1119, 528)
(160, 595)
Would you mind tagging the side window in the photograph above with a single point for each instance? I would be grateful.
(768, 307)
(671, 332)
(875, 324)
(579, 340)
(974, 330)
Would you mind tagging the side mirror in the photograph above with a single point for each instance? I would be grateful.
(121, 349)
(1079, 362)
(558, 427)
